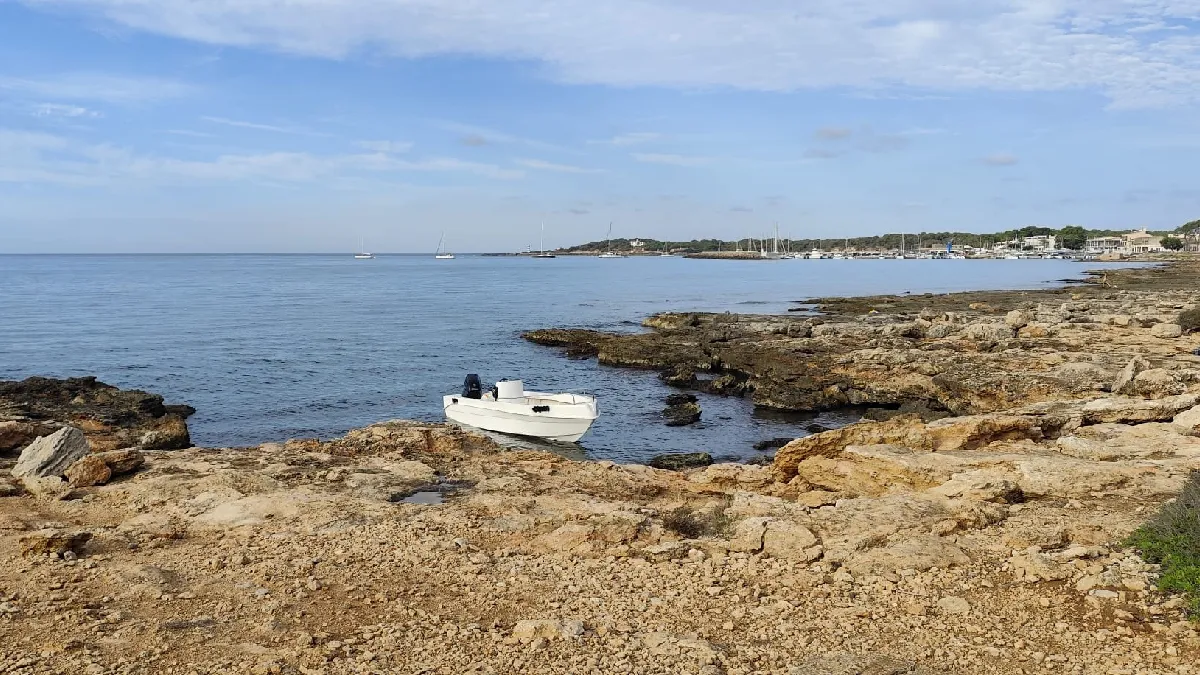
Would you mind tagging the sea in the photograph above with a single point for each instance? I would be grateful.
(271, 347)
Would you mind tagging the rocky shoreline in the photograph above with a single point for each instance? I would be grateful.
(977, 527)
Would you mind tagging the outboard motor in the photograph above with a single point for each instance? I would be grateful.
(472, 387)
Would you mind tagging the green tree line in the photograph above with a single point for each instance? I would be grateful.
(1070, 237)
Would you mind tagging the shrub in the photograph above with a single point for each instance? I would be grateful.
(1172, 539)
(690, 523)
(1189, 320)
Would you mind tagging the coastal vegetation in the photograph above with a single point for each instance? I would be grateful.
(1073, 237)
(1172, 539)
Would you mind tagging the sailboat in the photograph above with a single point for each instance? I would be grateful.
(666, 252)
(362, 255)
(541, 247)
(442, 254)
(609, 253)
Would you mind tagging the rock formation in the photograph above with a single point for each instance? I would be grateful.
(111, 418)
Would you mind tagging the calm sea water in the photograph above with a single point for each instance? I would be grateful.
(268, 347)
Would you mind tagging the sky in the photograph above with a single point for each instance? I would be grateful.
(326, 125)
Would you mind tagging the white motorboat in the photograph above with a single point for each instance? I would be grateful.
(509, 409)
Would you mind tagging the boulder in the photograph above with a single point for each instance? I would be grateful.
(54, 541)
(122, 461)
(1155, 383)
(1018, 319)
(1123, 410)
(51, 455)
(748, 535)
(1125, 378)
(954, 605)
(1189, 420)
(15, 434)
(679, 461)
(1081, 375)
(906, 430)
(88, 471)
(976, 431)
(920, 552)
(549, 629)
(988, 332)
(682, 414)
(1166, 330)
(172, 434)
(790, 541)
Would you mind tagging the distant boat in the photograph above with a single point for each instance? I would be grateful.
(608, 240)
(441, 254)
(362, 255)
(541, 245)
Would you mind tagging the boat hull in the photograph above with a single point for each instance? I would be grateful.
(566, 424)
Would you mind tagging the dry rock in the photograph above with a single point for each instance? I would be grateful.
(50, 456)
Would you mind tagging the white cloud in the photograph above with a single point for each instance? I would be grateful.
(1001, 159)
(672, 160)
(386, 147)
(477, 136)
(97, 87)
(635, 138)
(253, 125)
(773, 45)
(542, 165)
(43, 158)
(64, 110)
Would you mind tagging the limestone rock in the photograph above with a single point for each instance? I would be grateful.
(171, 434)
(122, 461)
(853, 664)
(918, 552)
(1166, 330)
(748, 535)
(51, 455)
(54, 541)
(15, 434)
(1018, 318)
(1124, 410)
(680, 460)
(988, 332)
(790, 541)
(1155, 383)
(550, 629)
(1188, 420)
(981, 485)
(1084, 376)
(954, 605)
(1125, 378)
(88, 471)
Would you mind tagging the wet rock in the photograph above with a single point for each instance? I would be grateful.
(88, 471)
(773, 443)
(51, 455)
(681, 399)
(682, 414)
(678, 461)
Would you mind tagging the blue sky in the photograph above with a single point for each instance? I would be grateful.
(255, 125)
